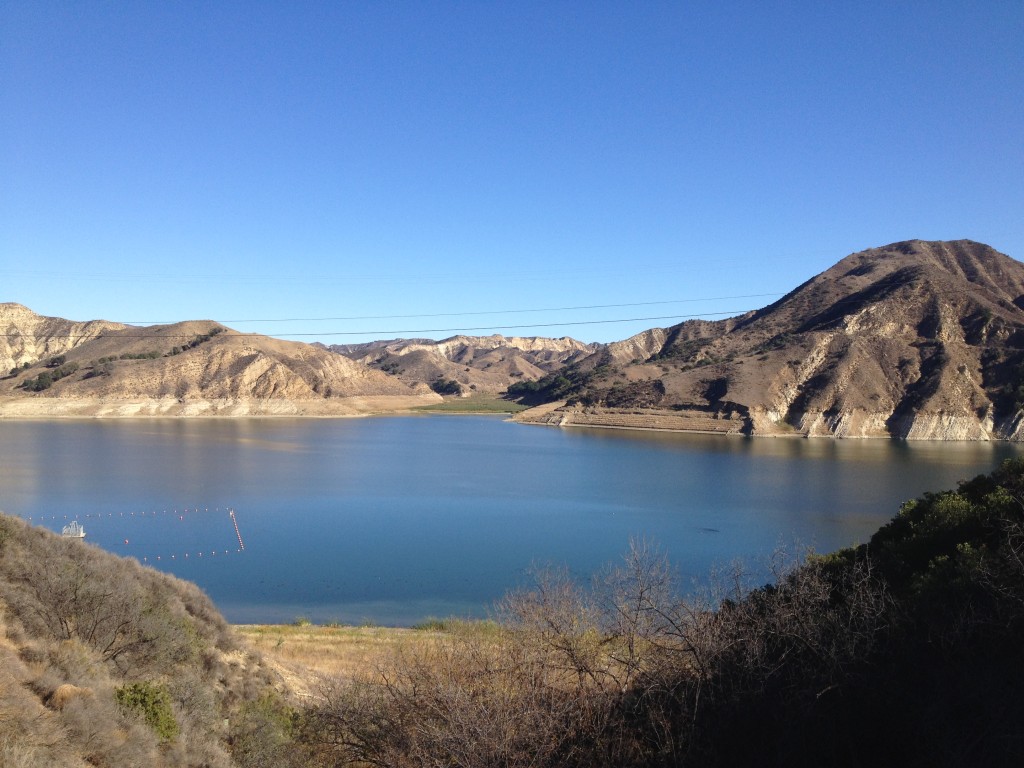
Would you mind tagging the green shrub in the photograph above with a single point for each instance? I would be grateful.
(446, 387)
(46, 379)
(195, 342)
(152, 702)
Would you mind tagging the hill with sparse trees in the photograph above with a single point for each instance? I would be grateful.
(914, 340)
(194, 368)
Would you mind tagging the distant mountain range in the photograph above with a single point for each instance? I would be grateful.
(468, 364)
(920, 340)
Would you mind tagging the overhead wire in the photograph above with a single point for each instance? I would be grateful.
(383, 333)
(114, 333)
(469, 314)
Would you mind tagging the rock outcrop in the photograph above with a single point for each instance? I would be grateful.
(28, 337)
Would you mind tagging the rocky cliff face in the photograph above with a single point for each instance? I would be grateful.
(918, 340)
(29, 338)
(640, 347)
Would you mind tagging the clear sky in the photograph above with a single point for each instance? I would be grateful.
(344, 171)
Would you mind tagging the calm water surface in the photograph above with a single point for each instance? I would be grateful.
(394, 519)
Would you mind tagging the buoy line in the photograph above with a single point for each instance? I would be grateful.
(136, 514)
(241, 545)
(168, 513)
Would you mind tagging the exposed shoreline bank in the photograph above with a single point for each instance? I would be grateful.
(548, 414)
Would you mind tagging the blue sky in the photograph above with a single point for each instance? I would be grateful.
(344, 171)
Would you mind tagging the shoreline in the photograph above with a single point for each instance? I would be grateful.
(770, 435)
(939, 428)
(508, 416)
(545, 415)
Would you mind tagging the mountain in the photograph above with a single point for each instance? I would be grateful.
(918, 340)
(468, 364)
(191, 368)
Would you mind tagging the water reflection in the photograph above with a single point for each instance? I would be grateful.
(391, 519)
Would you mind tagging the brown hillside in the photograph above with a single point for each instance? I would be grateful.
(104, 662)
(916, 339)
(202, 368)
(478, 364)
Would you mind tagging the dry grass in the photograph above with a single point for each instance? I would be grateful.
(305, 654)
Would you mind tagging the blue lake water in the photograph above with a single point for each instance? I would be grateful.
(392, 520)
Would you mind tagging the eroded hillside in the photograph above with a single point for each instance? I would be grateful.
(199, 368)
(28, 337)
(920, 340)
(464, 365)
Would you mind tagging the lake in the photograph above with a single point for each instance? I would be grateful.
(394, 519)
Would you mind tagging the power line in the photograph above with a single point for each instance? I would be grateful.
(115, 334)
(468, 314)
(732, 313)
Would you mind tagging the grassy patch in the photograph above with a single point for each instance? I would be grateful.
(477, 404)
(344, 651)
(332, 650)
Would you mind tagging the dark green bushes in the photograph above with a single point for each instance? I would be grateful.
(19, 368)
(195, 341)
(634, 394)
(446, 387)
(46, 379)
(570, 381)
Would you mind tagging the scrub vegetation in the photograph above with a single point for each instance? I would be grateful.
(904, 651)
(106, 663)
